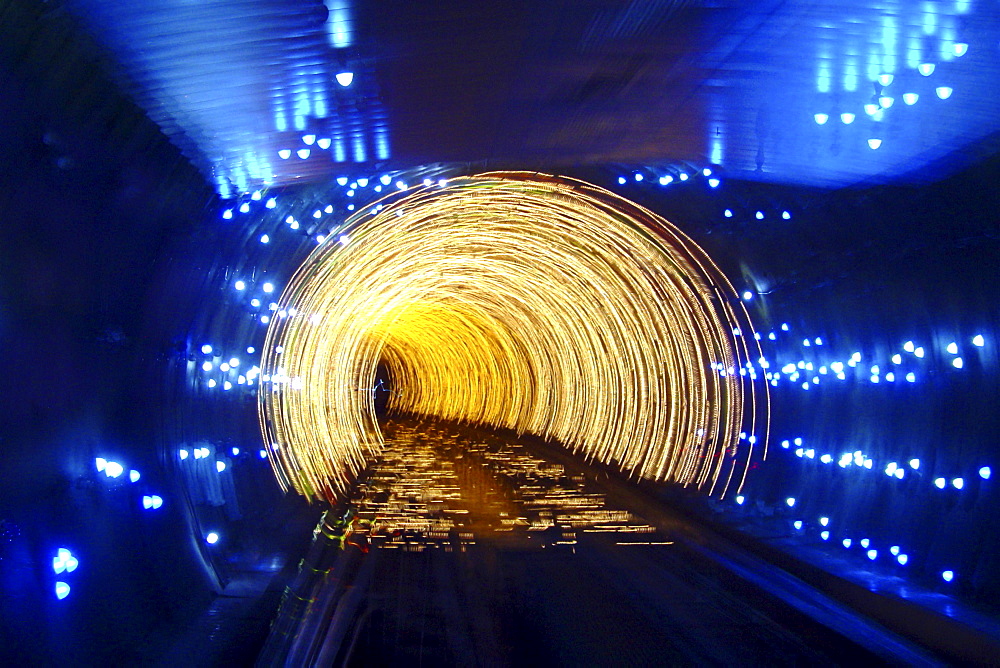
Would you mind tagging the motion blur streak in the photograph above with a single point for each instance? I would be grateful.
(523, 301)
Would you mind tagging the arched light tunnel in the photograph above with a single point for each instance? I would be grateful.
(533, 303)
(751, 335)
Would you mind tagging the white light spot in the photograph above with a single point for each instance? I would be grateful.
(345, 78)
(212, 538)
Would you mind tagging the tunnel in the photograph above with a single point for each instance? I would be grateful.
(362, 333)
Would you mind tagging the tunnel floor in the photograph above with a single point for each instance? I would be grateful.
(461, 547)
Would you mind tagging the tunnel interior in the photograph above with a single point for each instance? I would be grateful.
(146, 520)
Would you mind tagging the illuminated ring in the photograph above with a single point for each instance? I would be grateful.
(536, 303)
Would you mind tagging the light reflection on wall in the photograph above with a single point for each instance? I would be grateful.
(234, 82)
(852, 61)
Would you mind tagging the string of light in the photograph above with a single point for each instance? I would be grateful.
(524, 301)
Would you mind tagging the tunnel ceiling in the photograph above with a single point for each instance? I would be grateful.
(822, 93)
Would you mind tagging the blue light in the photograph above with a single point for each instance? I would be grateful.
(713, 183)
(847, 543)
(847, 118)
(784, 326)
(271, 203)
(303, 153)
(324, 142)
(943, 92)
(268, 287)
(245, 207)
(133, 476)
(821, 119)
(666, 179)
(212, 538)
(978, 341)
(263, 454)
(797, 524)
(874, 143)
(910, 99)
(227, 214)
(911, 377)
(62, 590)
(728, 213)
(958, 483)
(265, 239)
(285, 153)
(926, 69)
(947, 576)
(824, 521)
(739, 500)
(759, 215)
(872, 554)
(683, 176)
(985, 473)
(747, 295)
(957, 363)
(790, 501)
(902, 559)
(825, 535)
(345, 79)
(785, 215)
(621, 180)
(240, 285)
(940, 483)
(638, 177)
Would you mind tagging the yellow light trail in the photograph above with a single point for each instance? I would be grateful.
(524, 301)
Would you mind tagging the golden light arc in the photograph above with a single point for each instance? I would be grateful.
(524, 301)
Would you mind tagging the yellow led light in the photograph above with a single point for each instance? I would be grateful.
(524, 301)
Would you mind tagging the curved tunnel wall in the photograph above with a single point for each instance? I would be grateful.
(520, 301)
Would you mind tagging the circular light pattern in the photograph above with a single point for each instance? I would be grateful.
(523, 301)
